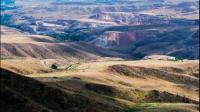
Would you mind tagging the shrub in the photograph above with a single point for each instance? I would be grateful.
(54, 66)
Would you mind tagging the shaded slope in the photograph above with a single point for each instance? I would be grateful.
(52, 98)
(179, 40)
(12, 101)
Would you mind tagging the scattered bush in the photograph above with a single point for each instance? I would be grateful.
(54, 66)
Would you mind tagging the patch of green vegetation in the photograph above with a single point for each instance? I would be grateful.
(63, 36)
(71, 36)
(4, 58)
(132, 95)
(54, 66)
(71, 67)
(157, 107)
(139, 55)
(9, 57)
(135, 28)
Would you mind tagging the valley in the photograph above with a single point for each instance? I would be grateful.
(99, 56)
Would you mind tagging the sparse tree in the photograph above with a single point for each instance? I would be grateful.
(54, 66)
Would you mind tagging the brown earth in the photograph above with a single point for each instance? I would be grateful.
(17, 44)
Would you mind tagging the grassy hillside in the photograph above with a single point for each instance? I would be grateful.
(99, 56)
(46, 98)
(112, 86)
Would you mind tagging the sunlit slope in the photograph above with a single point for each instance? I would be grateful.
(112, 86)
(17, 44)
(145, 81)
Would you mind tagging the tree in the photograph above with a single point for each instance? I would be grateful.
(54, 66)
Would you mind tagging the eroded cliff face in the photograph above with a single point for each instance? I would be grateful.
(111, 39)
(129, 26)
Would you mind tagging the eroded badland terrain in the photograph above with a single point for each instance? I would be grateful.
(99, 56)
